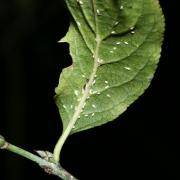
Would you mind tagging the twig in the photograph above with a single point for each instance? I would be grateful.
(49, 166)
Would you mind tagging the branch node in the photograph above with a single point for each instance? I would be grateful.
(47, 169)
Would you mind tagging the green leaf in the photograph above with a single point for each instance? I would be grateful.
(115, 47)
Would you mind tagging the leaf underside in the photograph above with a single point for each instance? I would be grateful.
(115, 47)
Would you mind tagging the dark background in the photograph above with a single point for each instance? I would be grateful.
(140, 144)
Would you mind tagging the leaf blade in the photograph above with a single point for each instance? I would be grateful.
(117, 63)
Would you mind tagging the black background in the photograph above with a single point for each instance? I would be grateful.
(141, 144)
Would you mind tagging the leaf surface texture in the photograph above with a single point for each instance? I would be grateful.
(115, 47)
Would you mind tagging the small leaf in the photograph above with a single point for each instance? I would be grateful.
(115, 47)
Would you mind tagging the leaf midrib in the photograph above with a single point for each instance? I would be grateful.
(88, 86)
(79, 108)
